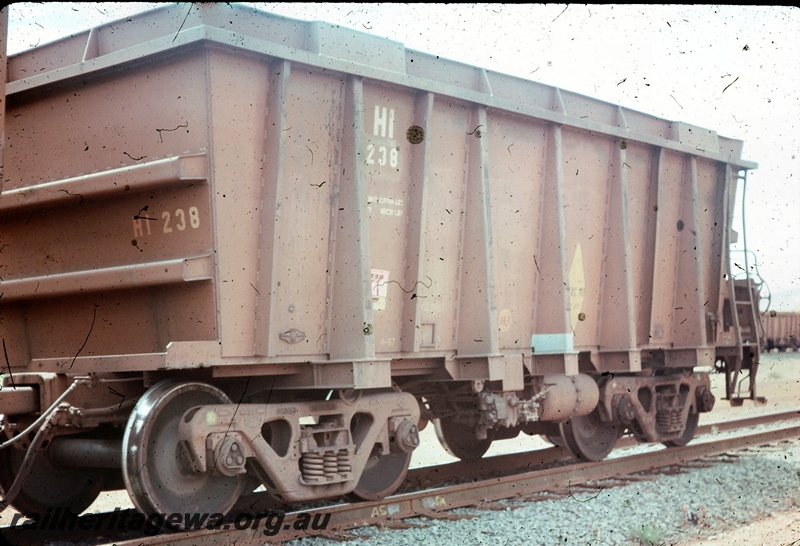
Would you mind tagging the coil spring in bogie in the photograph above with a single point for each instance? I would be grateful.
(315, 467)
(668, 420)
(331, 466)
(343, 461)
(312, 466)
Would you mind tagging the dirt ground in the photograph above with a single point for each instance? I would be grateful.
(782, 529)
(779, 382)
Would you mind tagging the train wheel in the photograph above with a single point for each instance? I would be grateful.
(153, 462)
(588, 438)
(553, 439)
(382, 476)
(47, 486)
(459, 440)
(688, 432)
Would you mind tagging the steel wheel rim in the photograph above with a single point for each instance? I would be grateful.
(588, 438)
(459, 440)
(155, 474)
(554, 439)
(49, 486)
(382, 475)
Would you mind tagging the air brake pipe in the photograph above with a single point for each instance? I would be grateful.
(44, 424)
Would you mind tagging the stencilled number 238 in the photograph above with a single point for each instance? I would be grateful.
(179, 220)
(173, 221)
(378, 154)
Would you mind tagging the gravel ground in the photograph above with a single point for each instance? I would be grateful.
(668, 510)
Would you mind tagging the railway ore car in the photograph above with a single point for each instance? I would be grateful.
(239, 249)
(781, 331)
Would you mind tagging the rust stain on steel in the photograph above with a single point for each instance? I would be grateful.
(415, 134)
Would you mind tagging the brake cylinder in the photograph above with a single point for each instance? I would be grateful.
(568, 396)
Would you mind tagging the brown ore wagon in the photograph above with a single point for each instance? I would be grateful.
(239, 249)
(781, 331)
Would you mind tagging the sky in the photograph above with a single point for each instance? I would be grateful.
(733, 69)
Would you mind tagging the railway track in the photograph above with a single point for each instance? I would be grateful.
(436, 490)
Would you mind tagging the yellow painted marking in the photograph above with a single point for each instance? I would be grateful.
(379, 511)
(577, 286)
(504, 320)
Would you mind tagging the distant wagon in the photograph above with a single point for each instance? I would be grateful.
(781, 331)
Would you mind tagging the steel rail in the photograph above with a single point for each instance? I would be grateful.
(514, 462)
(491, 479)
